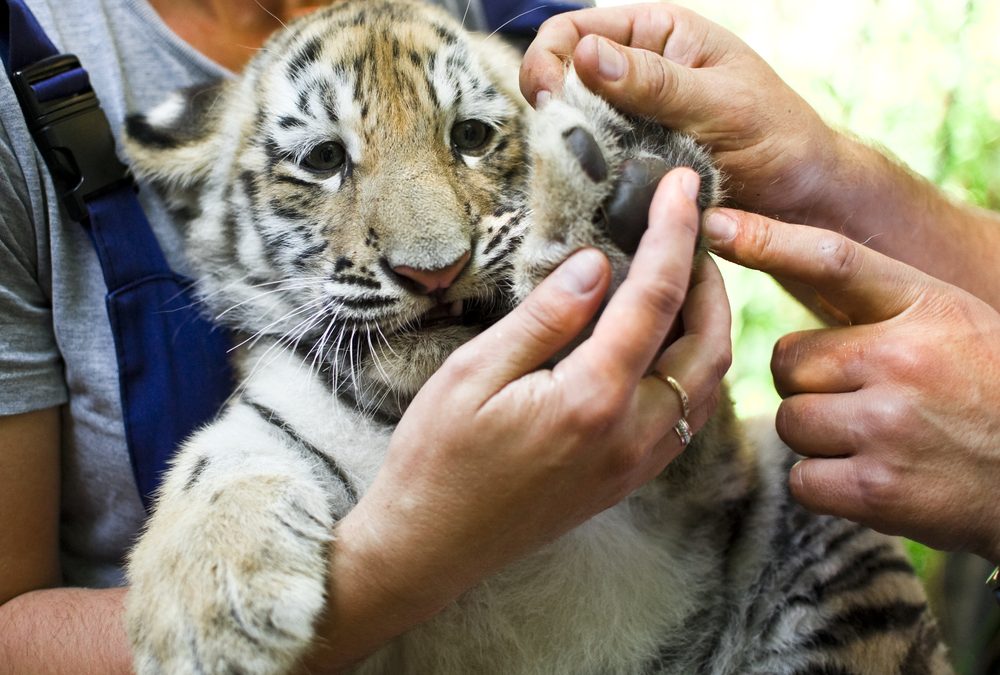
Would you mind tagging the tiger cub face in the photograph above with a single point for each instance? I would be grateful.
(355, 194)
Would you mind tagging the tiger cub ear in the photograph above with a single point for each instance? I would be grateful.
(172, 145)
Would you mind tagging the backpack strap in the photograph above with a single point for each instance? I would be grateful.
(173, 369)
(524, 17)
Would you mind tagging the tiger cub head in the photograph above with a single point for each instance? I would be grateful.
(355, 193)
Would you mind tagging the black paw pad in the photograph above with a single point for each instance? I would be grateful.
(626, 211)
(588, 153)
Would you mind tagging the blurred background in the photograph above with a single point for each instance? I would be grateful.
(920, 78)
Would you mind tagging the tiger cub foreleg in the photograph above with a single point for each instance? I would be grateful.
(230, 573)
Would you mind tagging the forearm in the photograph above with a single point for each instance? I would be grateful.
(64, 630)
(877, 201)
(375, 592)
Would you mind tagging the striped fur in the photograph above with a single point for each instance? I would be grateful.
(306, 185)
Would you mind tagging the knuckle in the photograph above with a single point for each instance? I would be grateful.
(607, 410)
(463, 363)
(666, 294)
(596, 410)
(659, 83)
(904, 360)
(558, 21)
(889, 418)
(839, 257)
(878, 486)
(543, 322)
(757, 243)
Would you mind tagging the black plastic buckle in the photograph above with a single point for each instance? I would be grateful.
(73, 136)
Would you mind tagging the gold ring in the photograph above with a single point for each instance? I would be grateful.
(676, 386)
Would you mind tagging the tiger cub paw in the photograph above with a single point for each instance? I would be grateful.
(594, 175)
(230, 582)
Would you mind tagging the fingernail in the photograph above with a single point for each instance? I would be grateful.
(611, 63)
(718, 227)
(689, 183)
(581, 272)
(542, 96)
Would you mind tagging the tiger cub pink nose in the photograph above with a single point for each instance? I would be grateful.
(429, 281)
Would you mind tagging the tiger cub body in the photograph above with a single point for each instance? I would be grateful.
(371, 193)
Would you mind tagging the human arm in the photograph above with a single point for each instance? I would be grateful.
(898, 409)
(782, 159)
(45, 629)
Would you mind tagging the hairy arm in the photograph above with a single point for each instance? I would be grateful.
(877, 201)
(64, 630)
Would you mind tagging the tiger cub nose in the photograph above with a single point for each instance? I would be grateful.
(429, 281)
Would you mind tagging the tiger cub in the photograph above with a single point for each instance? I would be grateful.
(368, 195)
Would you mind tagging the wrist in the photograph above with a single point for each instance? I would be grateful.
(386, 561)
(836, 184)
(375, 592)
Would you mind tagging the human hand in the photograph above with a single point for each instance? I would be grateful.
(690, 74)
(897, 410)
(495, 457)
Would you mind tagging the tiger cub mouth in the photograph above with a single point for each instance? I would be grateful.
(474, 311)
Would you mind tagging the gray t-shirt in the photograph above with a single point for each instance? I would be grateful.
(55, 342)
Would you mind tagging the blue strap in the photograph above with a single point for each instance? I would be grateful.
(523, 17)
(173, 369)
(22, 39)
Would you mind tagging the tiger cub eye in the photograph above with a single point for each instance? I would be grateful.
(327, 157)
(471, 136)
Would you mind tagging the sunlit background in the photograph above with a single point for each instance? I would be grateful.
(921, 78)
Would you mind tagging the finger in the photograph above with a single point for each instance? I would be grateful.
(859, 488)
(825, 425)
(821, 361)
(829, 486)
(863, 285)
(545, 322)
(661, 28)
(699, 359)
(633, 325)
(665, 442)
(644, 83)
(544, 64)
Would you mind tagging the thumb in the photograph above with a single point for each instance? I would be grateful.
(546, 321)
(641, 82)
